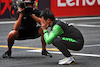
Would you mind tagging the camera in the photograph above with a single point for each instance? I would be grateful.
(22, 4)
(28, 10)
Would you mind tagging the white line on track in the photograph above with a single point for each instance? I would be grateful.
(82, 18)
(6, 22)
(95, 45)
(85, 25)
(77, 54)
(66, 19)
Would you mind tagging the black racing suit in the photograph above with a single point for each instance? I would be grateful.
(64, 36)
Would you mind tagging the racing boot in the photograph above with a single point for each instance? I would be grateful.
(7, 54)
(46, 53)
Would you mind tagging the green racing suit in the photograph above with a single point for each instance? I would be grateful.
(64, 36)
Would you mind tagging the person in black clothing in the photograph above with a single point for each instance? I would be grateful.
(63, 35)
(26, 27)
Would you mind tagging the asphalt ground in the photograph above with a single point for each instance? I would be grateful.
(27, 53)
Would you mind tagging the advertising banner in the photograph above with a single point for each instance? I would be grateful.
(42, 4)
(75, 7)
(5, 6)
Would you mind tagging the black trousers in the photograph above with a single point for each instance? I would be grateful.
(64, 45)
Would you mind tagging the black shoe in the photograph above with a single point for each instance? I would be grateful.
(46, 53)
(7, 54)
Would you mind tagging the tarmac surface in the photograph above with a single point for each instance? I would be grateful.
(27, 53)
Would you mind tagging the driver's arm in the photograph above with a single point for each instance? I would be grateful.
(56, 31)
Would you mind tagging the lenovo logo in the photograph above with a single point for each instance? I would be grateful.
(71, 3)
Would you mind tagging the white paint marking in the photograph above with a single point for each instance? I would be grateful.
(82, 54)
(6, 22)
(95, 45)
(65, 19)
(82, 25)
(85, 25)
(78, 54)
(82, 18)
